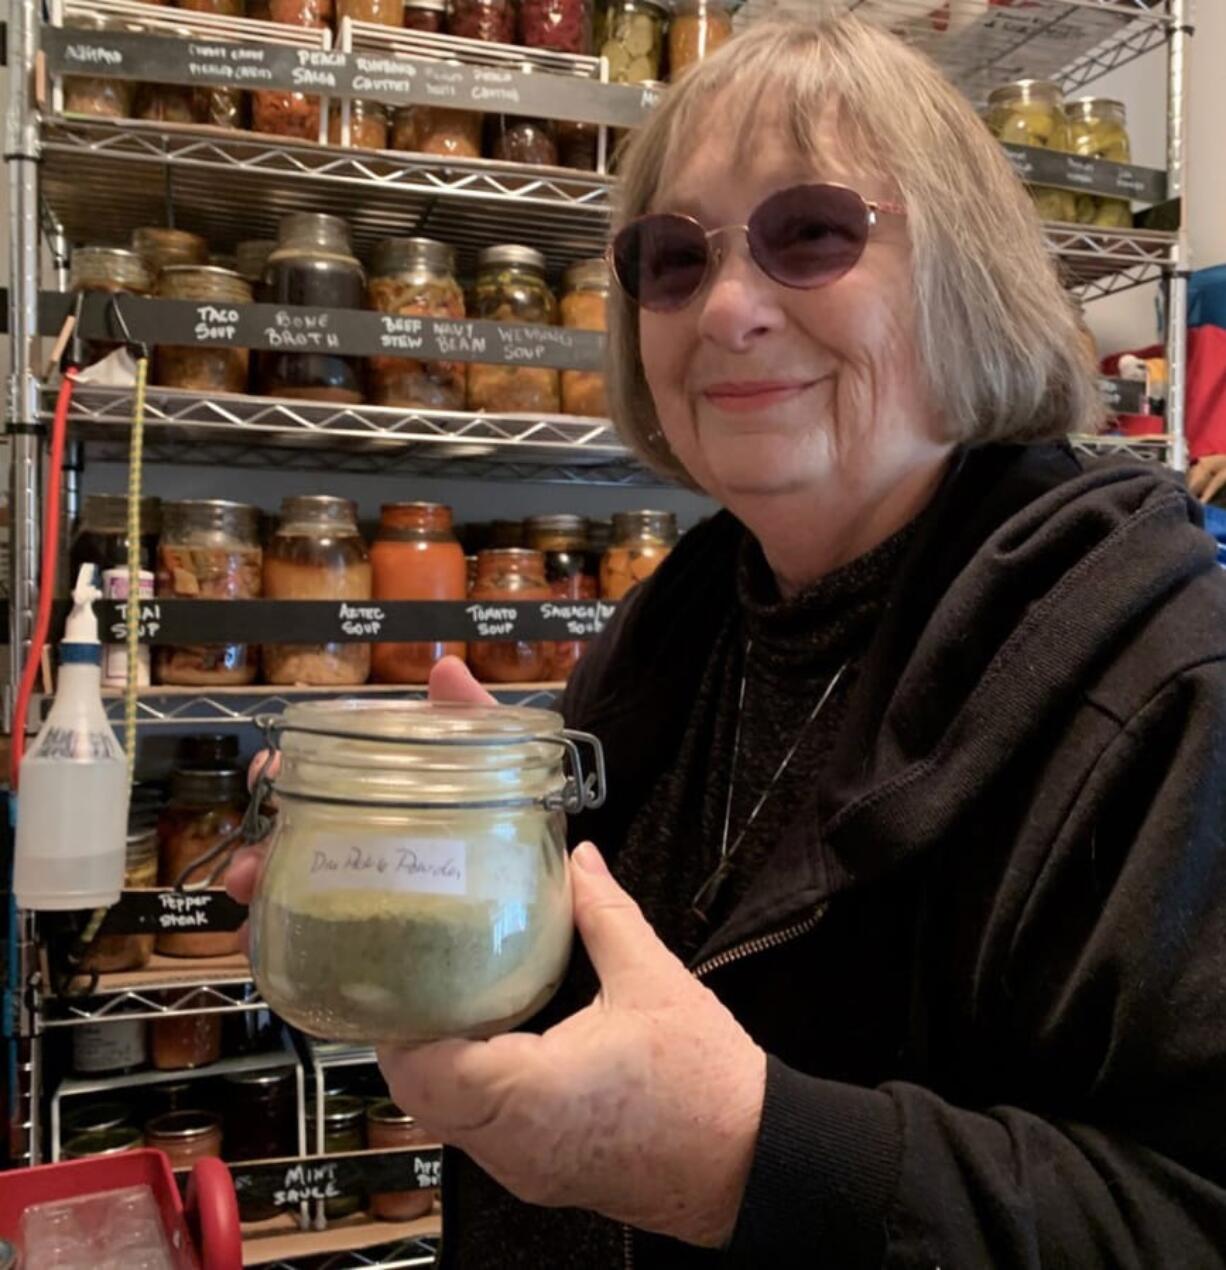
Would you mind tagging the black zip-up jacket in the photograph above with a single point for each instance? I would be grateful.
(987, 958)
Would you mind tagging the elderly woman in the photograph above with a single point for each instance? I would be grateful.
(908, 950)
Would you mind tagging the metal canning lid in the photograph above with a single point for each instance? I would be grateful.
(511, 254)
(339, 1109)
(317, 507)
(658, 524)
(423, 507)
(435, 6)
(587, 273)
(95, 1117)
(112, 510)
(524, 555)
(561, 522)
(395, 254)
(385, 1111)
(1095, 105)
(1027, 90)
(215, 513)
(207, 788)
(265, 1080)
(183, 1125)
(103, 1142)
(212, 270)
(318, 229)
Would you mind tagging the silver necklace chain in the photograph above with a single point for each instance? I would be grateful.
(710, 889)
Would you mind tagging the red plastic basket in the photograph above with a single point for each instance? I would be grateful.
(204, 1235)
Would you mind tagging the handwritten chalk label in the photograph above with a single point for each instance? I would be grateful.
(150, 621)
(307, 1182)
(361, 619)
(180, 911)
(492, 621)
(428, 1174)
(424, 866)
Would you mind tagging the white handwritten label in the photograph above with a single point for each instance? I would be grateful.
(424, 866)
(361, 619)
(491, 621)
(428, 1173)
(307, 1181)
(180, 911)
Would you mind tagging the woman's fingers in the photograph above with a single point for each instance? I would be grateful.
(451, 680)
(244, 869)
(1207, 472)
(256, 768)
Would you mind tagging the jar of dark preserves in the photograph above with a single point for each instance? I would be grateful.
(185, 1137)
(489, 20)
(313, 264)
(425, 15)
(562, 540)
(517, 140)
(562, 25)
(261, 1113)
(509, 573)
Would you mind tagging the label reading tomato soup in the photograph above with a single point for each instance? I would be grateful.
(427, 866)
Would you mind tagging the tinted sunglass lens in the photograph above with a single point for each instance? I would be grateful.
(661, 261)
(809, 235)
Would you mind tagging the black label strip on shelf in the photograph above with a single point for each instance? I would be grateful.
(166, 59)
(288, 1183)
(1123, 396)
(350, 332)
(165, 912)
(1087, 176)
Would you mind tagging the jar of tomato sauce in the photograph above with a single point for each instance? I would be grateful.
(416, 556)
(510, 573)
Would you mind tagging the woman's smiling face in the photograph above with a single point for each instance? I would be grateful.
(763, 389)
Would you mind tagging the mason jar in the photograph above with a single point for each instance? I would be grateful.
(509, 573)
(387, 1127)
(641, 543)
(584, 301)
(634, 40)
(344, 1123)
(415, 277)
(1098, 129)
(194, 366)
(562, 540)
(160, 247)
(1030, 112)
(698, 28)
(416, 883)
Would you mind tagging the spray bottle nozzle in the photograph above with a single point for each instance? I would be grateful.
(82, 627)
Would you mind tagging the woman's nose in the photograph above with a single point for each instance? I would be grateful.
(739, 305)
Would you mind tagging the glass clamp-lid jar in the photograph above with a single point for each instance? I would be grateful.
(416, 885)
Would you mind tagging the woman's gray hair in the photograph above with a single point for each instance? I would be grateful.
(997, 335)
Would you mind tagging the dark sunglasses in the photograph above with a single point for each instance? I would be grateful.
(806, 236)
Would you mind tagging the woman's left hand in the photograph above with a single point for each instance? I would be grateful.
(644, 1106)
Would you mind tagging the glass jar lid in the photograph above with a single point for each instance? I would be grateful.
(119, 263)
(108, 513)
(183, 1126)
(511, 254)
(340, 1110)
(588, 274)
(207, 788)
(265, 1080)
(394, 255)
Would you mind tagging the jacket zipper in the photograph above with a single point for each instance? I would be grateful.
(750, 948)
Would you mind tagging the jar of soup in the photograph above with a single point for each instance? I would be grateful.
(87, 95)
(584, 300)
(511, 287)
(221, 107)
(519, 140)
(1030, 112)
(368, 129)
(1098, 129)
(317, 553)
(697, 29)
(387, 1126)
(200, 369)
(425, 15)
(641, 543)
(344, 1123)
(160, 247)
(562, 25)
(110, 1049)
(205, 808)
(209, 550)
(313, 264)
(562, 540)
(415, 277)
(261, 1123)
(633, 40)
(489, 20)
(186, 1041)
(439, 130)
(509, 573)
(103, 1142)
(185, 1137)
(380, 12)
(129, 952)
(415, 557)
(416, 883)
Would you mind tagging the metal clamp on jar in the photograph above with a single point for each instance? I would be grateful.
(416, 885)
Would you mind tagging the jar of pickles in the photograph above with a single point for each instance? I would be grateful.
(313, 264)
(343, 1128)
(389, 1127)
(509, 573)
(562, 540)
(221, 107)
(87, 95)
(380, 12)
(641, 543)
(438, 130)
(518, 140)
(112, 953)
(490, 20)
(562, 25)
(633, 40)
(166, 103)
(194, 366)
(584, 299)
(368, 128)
(161, 247)
(1030, 112)
(425, 15)
(1097, 129)
(317, 553)
(511, 287)
(416, 557)
(697, 29)
(415, 277)
(209, 550)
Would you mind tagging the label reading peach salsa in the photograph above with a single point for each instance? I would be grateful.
(426, 866)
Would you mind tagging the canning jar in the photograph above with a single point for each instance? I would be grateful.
(194, 366)
(185, 1137)
(489, 20)
(165, 103)
(103, 1142)
(113, 270)
(438, 130)
(511, 287)
(386, 1127)
(517, 140)
(313, 264)
(111, 1048)
(415, 557)
(641, 543)
(209, 550)
(312, 13)
(221, 107)
(509, 573)
(286, 114)
(224, 8)
(184, 1042)
(129, 952)
(161, 247)
(344, 1124)
(633, 40)
(415, 277)
(87, 95)
(1030, 112)
(585, 296)
(95, 1117)
(1098, 129)
(562, 540)
(416, 883)
(425, 15)
(205, 808)
(577, 144)
(317, 553)
(261, 1123)
(696, 30)
(562, 25)
(367, 125)
(380, 12)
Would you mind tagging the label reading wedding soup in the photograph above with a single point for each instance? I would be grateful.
(425, 866)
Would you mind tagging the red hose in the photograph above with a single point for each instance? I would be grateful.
(46, 586)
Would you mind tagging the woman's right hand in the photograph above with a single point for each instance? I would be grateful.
(450, 680)
(1207, 477)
